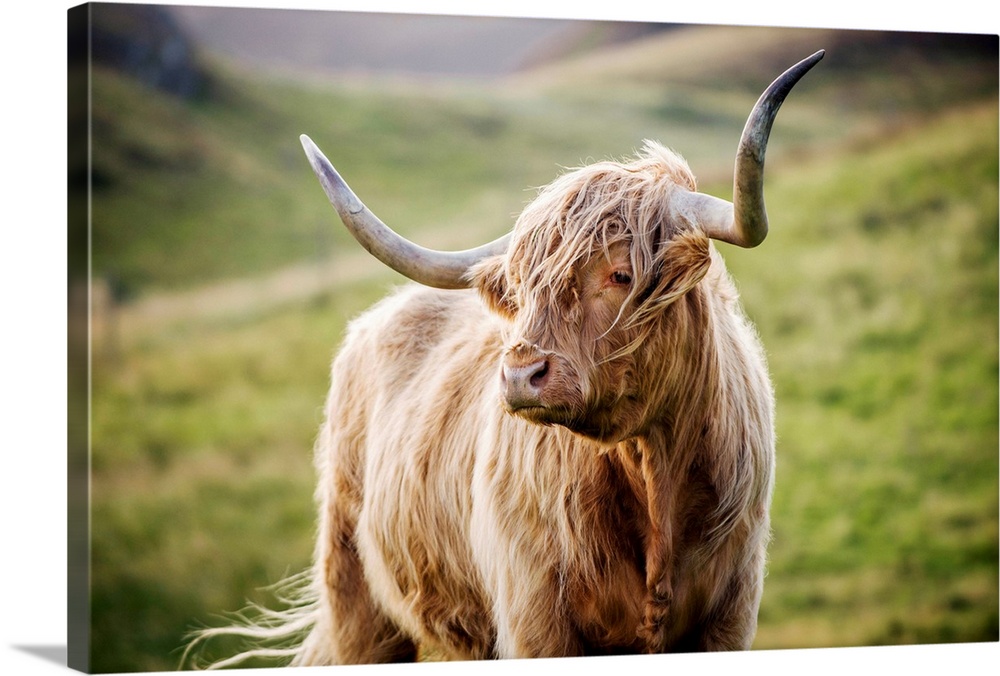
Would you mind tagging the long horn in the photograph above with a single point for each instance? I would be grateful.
(744, 221)
(441, 269)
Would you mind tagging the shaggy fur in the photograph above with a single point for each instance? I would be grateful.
(627, 513)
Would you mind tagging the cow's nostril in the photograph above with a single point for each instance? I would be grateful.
(538, 378)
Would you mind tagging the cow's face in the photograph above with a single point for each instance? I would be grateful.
(593, 267)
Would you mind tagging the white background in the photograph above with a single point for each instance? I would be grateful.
(33, 324)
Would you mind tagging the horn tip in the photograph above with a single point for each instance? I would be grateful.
(340, 194)
(312, 150)
(814, 58)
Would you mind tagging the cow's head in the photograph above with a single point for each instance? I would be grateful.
(592, 265)
(589, 272)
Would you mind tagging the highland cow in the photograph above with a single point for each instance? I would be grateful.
(567, 446)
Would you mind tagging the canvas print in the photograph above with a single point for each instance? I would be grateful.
(403, 337)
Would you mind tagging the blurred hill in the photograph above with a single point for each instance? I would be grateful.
(367, 43)
(145, 42)
(191, 192)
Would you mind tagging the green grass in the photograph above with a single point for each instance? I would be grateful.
(875, 296)
(881, 324)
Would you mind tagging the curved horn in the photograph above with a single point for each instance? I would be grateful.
(744, 222)
(441, 269)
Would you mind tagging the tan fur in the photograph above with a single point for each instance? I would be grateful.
(630, 515)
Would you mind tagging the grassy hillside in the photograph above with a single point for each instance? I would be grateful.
(875, 295)
(878, 301)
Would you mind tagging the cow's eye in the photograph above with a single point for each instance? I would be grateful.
(620, 278)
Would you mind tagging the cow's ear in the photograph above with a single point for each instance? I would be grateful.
(682, 263)
(489, 278)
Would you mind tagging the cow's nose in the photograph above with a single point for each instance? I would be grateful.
(523, 383)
